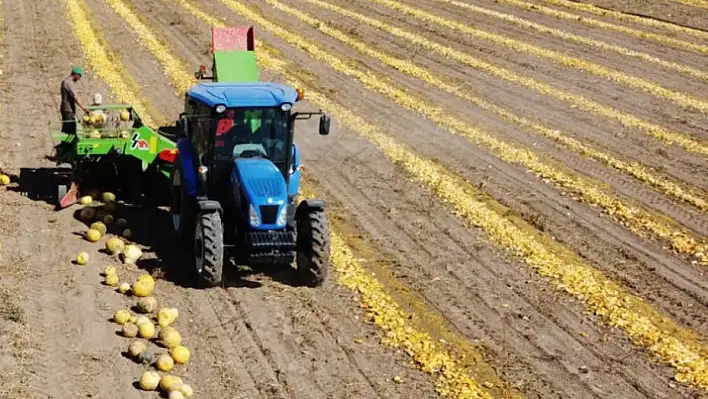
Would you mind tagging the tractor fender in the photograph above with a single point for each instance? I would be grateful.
(189, 170)
(207, 206)
(309, 204)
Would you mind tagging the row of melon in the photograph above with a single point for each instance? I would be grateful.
(143, 328)
(138, 327)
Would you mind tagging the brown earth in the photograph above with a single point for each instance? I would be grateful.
(260, 337)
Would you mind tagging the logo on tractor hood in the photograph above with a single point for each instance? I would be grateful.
(137, 143)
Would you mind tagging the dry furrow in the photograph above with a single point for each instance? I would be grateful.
(382, 144)
(181, 41)
(123, 9)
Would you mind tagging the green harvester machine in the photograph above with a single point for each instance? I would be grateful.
(113, 149)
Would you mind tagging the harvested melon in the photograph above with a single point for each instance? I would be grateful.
(111, 280)
(147, 277)
(147, 304)
(131, 254)
(141, 289)
(85, 200)
(115, 245)
(123, 288)
(127, 233)
(136, 348)
(141, 319)
(184, 389)
(145, 357)
(168, 381)
(94, 134)
(146, 330)
(171, 338)
(149, 380)
(165, 362)
(130, 330)
(122, 316)
(100, 227)
(125, 134)
(109, 207)
(82, 258)
(108, 219)
(108, 197)
(175, 394)
(93, 235)
(122, 223)
(165, 317)
(110, 269)
(124, 115)
(180, 354)
(4, 180)
(87, 214)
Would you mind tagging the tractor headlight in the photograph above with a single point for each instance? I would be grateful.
(220, 108)
(286, 107)
(283, 216)
(253, 216)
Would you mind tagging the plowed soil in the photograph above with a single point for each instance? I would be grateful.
(260, 336)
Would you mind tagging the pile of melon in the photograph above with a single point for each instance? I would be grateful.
(142, 326)
(148, 323)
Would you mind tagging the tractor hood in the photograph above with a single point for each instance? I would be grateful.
(265, 190)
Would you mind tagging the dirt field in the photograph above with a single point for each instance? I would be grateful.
(520, 191)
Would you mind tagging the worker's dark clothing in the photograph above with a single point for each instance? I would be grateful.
(68, 105)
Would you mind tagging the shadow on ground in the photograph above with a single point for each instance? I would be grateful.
(165, 257)
(40, 184)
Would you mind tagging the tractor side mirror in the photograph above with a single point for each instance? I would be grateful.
(324, 125)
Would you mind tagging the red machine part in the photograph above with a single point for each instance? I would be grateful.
(233, 39)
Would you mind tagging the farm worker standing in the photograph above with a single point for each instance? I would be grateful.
(69, 100)
(67, 109)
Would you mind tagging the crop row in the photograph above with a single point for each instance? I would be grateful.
(643, 325)
(452, 379)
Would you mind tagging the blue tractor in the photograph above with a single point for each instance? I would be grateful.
(236, 174)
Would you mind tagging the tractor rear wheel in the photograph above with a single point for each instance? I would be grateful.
(183, 207)
(209, 248)
(313, 247)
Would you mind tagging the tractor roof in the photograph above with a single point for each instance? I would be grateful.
(258, 94)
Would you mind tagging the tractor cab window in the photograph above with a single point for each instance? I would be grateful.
(249, 132)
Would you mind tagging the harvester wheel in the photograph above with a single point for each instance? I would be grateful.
(209, 248)
(313, 247)
(183, 207)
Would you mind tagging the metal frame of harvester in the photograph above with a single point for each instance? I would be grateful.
(236, 176)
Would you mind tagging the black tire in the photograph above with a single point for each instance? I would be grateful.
(313, 246)
(209, 249)
(182, 205)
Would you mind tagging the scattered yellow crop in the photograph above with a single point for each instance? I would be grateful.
(179, 78)
(635, 218)
(675, 29)
(567, 36)
(684, 100)
(627, 120)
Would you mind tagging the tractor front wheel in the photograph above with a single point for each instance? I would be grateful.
(313, 247)
(209, 248)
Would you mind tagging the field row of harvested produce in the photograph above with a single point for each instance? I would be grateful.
(516, 192)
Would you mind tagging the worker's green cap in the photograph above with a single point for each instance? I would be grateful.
(78, 70)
